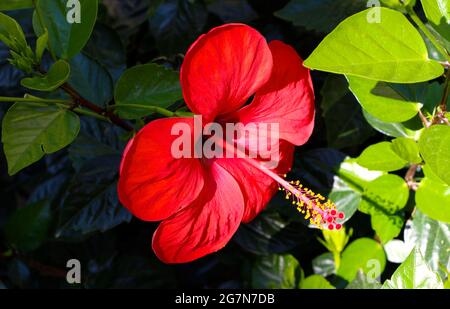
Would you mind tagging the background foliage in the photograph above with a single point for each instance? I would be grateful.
(380, 149)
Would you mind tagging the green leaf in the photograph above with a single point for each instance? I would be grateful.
(31, 130)
(232, 10)
(438, 15)
(91, 204)
(434, 145)
(315, 282)
(41, 45)
(319, 15)
(66, 39)
(91, 80)
(399, 4)
(8, 5)
(383, 100)
(275, 272)
(345, 124)
(382, 199)
(433, 199)
(28, 227)
(391, 50)
(411, 128)
(11, 33)
(397, 250)
(269, 233)
(362, 254)
(362, 282)
(324, 264)
(414, 273)
(432, 238)
(407, 149)
(57, 75)
(149, 85)
(381, 157)
(177, 23)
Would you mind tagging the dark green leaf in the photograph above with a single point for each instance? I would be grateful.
(177, 23)
(390, 50)
(324, 264)
(275, 272)
(149, 85)
(31, 130)
(91, 80)
(7, 5)
(92, 204)
(320, 15)
(11, 32)
(29, 226)
(345, 123)
(67, 35)
(57, 75)
(233, 10)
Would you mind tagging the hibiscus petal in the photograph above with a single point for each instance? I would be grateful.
(204, 227)
(223, 68)
(153, 185)
(257, 188)
(287, 98)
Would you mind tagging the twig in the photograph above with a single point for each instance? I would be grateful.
(409, 177)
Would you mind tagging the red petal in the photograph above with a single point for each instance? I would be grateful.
(153, 185)
(204, 227)
(223, 68)
(257, 188)
(286, 99)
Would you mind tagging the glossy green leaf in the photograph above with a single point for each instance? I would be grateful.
(414, 273)
(432, 238)
(275, 272)
(41, 45)
(362, 254)
(411, 128)
(399, 4)
(391, 50)
(91, 204)
(319, 15)
(7, 5)
(149, 85)
(29, 226)
(232, 10)
(68, 31)
(433, 199)
(324, 264)
(434, 145)
(315, 282)
(57, 75)
(397, 250)
(407, 149)
(438, 15)
(91, 80)
(31, 130)
(381, 157)
(11, 32)
(361, 281)
(382, 199)
(383, 100)
(345, 124)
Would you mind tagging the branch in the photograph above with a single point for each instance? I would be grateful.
(409, 177)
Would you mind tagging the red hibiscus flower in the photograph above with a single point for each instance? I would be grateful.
(201, 202)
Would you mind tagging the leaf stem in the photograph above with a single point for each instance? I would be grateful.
(33, 100)
(409, 177)
(156, 109)
(427, 33)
